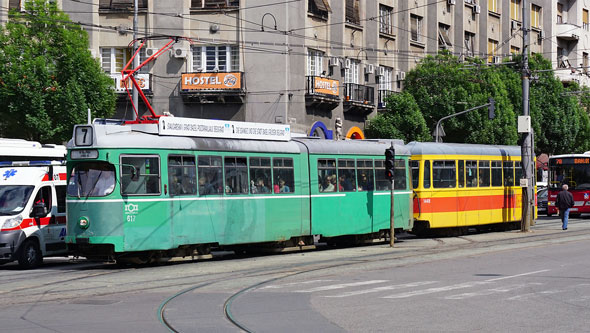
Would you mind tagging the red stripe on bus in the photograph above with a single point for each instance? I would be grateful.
(462, 204)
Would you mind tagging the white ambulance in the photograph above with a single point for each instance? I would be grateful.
(32, 202)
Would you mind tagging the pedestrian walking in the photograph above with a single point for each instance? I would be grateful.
(565, 201)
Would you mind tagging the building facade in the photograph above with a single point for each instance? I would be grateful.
(322, 66)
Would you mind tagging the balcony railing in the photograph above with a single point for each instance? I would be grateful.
(357, 93)
(382, 96)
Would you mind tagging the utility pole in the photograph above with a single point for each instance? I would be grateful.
(526, 149)
(390, 173)
(136, 59)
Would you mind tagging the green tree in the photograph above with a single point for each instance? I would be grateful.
(401, 120)
(48, 77)
(442, 85)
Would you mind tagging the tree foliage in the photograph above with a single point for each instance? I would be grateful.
(48, 77)
(401, 120)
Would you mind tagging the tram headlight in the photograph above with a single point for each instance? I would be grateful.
(83, 222)
(12, 222)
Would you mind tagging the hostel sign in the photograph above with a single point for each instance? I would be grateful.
(178, 126)
(211, 81)
(322, 85)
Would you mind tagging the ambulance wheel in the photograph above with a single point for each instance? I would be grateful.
(30, 255)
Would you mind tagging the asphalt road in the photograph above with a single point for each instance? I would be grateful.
(497, 281)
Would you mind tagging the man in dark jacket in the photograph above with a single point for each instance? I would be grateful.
(565, 201)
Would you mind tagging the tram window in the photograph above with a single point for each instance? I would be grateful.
(415, 170)
(260, 175)
(364, 171)
(236, 175)
(382, 182)
(182, 175)
(484, 173)
(327, 175)
(471, 173)
(508, 173)
(443, 174)
(283, 174)
(92, 179)
(346, 177)
(210, 175)
(461, 174)
(140, 175)
(517, 171)
(426, 174)
(496, 173)
(399, 175)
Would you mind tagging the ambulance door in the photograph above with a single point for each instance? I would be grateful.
(43, 213)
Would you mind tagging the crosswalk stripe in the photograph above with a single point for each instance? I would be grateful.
(379, 289)
(340, 286)
(279, 286)
(492, 291)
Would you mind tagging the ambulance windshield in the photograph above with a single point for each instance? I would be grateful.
(92, 179)
(14, 198)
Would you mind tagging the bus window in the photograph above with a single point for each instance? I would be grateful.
(383, 184)
(399, 175)
(426, 174)
(365, 175)
(182, 175)
(471, 173)
(327, 175)
(284, 175)
(236, 175)
(496, 173)
(210, 175)
(346, 177)
(415, 170)
(443, 174)
(461, 174)
(508, 173)
(484, 173)
(140, 175)
(260, 175)
(517, 172)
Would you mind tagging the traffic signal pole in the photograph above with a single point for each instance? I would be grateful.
(390, 173)
(491, 115)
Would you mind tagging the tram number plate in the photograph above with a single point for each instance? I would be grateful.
(83, 136)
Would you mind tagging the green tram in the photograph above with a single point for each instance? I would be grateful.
(133, 193)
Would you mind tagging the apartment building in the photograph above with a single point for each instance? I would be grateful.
(322, 66)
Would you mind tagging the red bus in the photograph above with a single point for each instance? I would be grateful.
(573, 170)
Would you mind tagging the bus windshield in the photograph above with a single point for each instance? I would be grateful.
(92, 179)
(576, 176)
(14, 198)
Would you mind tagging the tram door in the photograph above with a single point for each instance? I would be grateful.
(444, 183)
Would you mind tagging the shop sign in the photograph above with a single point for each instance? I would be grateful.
(213, 81)
(322, 85)
(142, 79)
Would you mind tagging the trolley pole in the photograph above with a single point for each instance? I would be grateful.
(525, 127)
(136, 59)
(390, 173)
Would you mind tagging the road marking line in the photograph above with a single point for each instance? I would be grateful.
(278, 286)
(379, 289)
(340, 286)
(492, 291)
(458, 286)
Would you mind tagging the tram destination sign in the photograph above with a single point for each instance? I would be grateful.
(178, 126)
(569, 161)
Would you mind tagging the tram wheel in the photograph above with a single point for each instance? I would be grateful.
(30, 255)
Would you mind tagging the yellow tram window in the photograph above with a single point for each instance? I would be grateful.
(484, 173)
(471, 171)
(508, 173)
(415, 170)
(426, 174)
(444, 174)
(496, 173)
(461, 174)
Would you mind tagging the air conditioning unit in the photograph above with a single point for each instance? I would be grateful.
(347, 63)
(495, 60)
(451, 2)
(469, 1)
(514, 25)
(476, 9)
(401, 76)
(381, 71)
(369, 69)
(150, 52)
(179, 52)
(541, 34)
(333, 61)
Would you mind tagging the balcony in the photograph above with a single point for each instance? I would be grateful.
(382, 96)
(568, 31)
(144, 81)
(358, 98)
(322, 93)
(213, 87)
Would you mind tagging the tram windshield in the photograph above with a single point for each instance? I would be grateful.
(92, 179)
(13, 198)
(576, 176)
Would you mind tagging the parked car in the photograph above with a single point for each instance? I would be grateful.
(542, 201)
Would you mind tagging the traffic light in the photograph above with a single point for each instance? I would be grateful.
(491, 108)
(389, 163)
